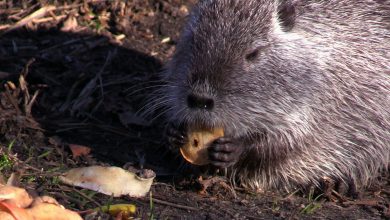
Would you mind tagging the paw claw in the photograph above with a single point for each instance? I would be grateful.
(225, 152)
(176, 135)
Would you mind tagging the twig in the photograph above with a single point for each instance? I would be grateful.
(11, 98)
(339, 196)
(43, 20)
(21, 12)
(4, 75)
(366, 202)
(113, 129)
(174, 205)
(36, 19)
(110, 55)
(27, 66)
(65, 44)
(89, 46)
(87, 197)
(9, 11)
(25, 164)
(14, 179)
(68, 198)
(66, 7)
(91, 86)
(4, 26)
(253, 217)
(67, 129)
(28, 107)
(37, 14)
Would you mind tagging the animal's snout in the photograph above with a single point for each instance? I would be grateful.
(200, 102)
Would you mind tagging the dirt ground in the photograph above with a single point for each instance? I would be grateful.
(80, 74)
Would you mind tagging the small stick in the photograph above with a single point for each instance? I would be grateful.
(68, 198)
(5, 26)
(37, 14)
(367, 202)
(174, 205)
(43, 20)
(4, 75)
(65, 44)
(87, 197)
(11, 98)
(28, 107)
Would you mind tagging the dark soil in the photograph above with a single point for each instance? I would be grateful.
(70, 78)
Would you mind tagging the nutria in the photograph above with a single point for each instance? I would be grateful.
(301, 89)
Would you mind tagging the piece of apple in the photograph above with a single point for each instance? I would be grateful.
(195, 151)
(113, 181)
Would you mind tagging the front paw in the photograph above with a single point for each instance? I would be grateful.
(225, 152)
(177, 135)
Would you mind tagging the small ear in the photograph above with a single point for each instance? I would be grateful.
(287, 14)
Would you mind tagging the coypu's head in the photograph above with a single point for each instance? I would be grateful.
(239, 65)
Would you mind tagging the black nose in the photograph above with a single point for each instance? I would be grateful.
(200, 102)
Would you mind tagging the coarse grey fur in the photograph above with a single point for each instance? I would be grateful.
(307, 90)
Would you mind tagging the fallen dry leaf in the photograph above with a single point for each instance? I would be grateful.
(48, 211)
(37, 14)
(70, 24)
(15, 196)
(113, 181)
(16, 203)
(44, 199)
(79, 150)
(123, 210)
(6, 216)
(41, 211)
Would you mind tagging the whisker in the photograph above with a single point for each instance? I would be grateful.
(144, 82)
(151, 111)
(148, 87)
(153, 106)
(160, 114)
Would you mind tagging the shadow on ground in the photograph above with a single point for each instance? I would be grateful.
(91, 92)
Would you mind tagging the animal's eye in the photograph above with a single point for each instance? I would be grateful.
(255, 53)
(252, 55)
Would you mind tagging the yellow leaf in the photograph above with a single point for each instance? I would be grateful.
(117, 208)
